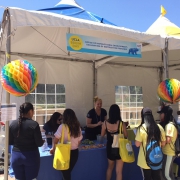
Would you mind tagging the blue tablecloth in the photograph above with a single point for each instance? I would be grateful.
(91, 165)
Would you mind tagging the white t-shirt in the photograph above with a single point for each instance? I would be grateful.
(74, 141)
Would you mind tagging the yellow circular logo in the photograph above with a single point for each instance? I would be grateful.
(75, 42)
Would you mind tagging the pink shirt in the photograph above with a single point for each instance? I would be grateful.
(74, 141)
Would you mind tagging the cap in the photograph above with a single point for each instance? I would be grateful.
(147, 110)
(165, 109)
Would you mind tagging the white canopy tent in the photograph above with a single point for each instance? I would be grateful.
(40, 37)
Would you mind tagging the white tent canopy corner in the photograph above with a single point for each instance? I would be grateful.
(167, 29)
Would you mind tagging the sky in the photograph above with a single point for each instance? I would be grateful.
(133, 14)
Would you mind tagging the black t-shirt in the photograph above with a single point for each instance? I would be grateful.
(95, 118)
(30, 135)
(91, 133)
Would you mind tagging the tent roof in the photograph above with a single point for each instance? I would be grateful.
(164, 27)
(43, 34)
(72, 9)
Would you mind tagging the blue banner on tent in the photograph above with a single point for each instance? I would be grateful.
(87, 44)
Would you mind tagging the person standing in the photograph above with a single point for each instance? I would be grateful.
(69, 119)
(95, 119)
(111, 128)
(169, 125)
(148, 130)
(25, 136)
(52, 125)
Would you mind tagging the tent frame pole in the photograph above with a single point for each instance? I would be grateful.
(94, 80)
(7, 56)
(165, 60)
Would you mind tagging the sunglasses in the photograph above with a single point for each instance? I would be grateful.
(59, 119)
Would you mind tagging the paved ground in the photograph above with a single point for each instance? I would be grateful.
(9, 178)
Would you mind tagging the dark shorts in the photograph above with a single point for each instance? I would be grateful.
(25, 164)
(112, 153)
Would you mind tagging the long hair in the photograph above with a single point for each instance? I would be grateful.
(168, 117)
(23, 110)
(70, 119)
(53, 121)
(153, 131)
(114, 114)
(142, 118)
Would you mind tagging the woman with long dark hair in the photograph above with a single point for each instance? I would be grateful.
(69, 119)
(111, 128)
(25, 136)
(147, 131)
(169, 125)
(52, 125)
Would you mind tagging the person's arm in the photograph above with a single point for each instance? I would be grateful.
(169, 130)
(80, 137)
(56, 139)
(89, 125)
(37, 136)
(163, 137)
(125, 130)
(54, 145)
(103, 130)
(163, 143)
(168, 139)
(137, 143)
(138, 138)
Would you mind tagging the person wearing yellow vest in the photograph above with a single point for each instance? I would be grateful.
(169, 125)
(148, 130)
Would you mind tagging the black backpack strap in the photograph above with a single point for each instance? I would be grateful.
(142, 142)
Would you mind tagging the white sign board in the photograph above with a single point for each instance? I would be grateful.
(8, 112)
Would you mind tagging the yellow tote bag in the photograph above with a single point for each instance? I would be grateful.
(62, 152)
(125, 148)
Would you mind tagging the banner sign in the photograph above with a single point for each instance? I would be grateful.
(87, 44)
